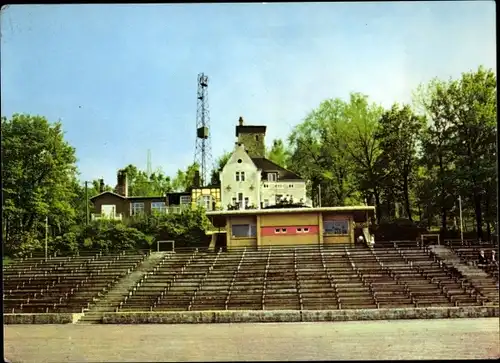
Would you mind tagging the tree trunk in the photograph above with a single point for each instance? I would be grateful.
(479, 215)
(443, 196)
(378, 210)
(406, 194)
(487, 217)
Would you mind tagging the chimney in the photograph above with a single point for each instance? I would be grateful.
(101, 185)
(197, 179)
(122, 186)
(240, 121)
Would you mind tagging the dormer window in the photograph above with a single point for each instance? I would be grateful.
(272, 177)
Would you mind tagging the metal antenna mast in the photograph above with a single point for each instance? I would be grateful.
(148, 167)
(203, 149)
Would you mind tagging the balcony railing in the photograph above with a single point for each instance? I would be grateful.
(111, 216)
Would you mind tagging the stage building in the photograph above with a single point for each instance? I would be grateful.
(289, 226)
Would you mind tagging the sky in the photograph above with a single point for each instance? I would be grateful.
(122, 79)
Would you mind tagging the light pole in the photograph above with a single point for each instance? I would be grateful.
(461, 226)
(86, 203)
(319, 195)
(46, 236)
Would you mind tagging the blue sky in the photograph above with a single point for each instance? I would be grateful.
(122, 78)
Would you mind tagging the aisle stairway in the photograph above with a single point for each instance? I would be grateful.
(108, 302)
(484, 283)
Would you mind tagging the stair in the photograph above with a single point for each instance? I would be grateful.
(477, 277)
(108, 302)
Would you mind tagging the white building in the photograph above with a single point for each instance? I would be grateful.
(249, 180)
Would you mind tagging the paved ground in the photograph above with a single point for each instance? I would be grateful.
(403, 339)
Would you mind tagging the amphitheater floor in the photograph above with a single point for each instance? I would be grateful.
(374, 340)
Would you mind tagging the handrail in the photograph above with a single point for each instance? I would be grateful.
(228, 296)
(264, 285)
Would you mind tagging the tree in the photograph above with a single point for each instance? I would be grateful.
(38, 174)
(437, 154)
(398, 135)
(319, 154)
(184, 180)
(279, 154)
(140, 184)
(219, 165)
(363, 146)
(473, 118)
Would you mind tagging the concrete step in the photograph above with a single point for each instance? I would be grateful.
(116, 294)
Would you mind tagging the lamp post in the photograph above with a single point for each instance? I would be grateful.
(319, 195)
(461, 226)
(46, 236)
(86, 203)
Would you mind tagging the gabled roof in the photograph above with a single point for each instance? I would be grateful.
(267, 166)
(103, 193)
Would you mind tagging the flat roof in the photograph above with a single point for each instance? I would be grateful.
(367, 208)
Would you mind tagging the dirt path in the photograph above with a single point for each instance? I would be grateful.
(403, 339)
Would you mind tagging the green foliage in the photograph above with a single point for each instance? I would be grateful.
(219, 165)
(38, 177)
(398, 134)
(320, 153)
(459, 145)
(184, 180)
(279, 154)
(351, 150)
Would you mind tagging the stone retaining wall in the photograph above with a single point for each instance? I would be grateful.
(259, 316)
(201, 317)
(66, 318)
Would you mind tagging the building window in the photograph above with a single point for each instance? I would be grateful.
(290, 185)
(266, 185)
(279, 185)
(242, 176)
(299, 230)
(205, 201)
(266, 203)
(336, 227)
(283, 230)
(244, 230)
(256, 137)
(237, 177)
(158, 207)
(247, 202)
(277, 230)
(136, 208)
(185, 199)
(272, 177)
(306, 230)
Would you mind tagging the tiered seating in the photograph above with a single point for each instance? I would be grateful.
(387, 291)
(350, 289)
(63, 284)
(317, 288)
(180, 291)
(281, 286)
(213, 292)
(154, 285)
(306, 278)
(429, 282)
(469, 252)
(248, 285)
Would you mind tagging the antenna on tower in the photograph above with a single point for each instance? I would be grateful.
(148, 167)
(203, 149)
